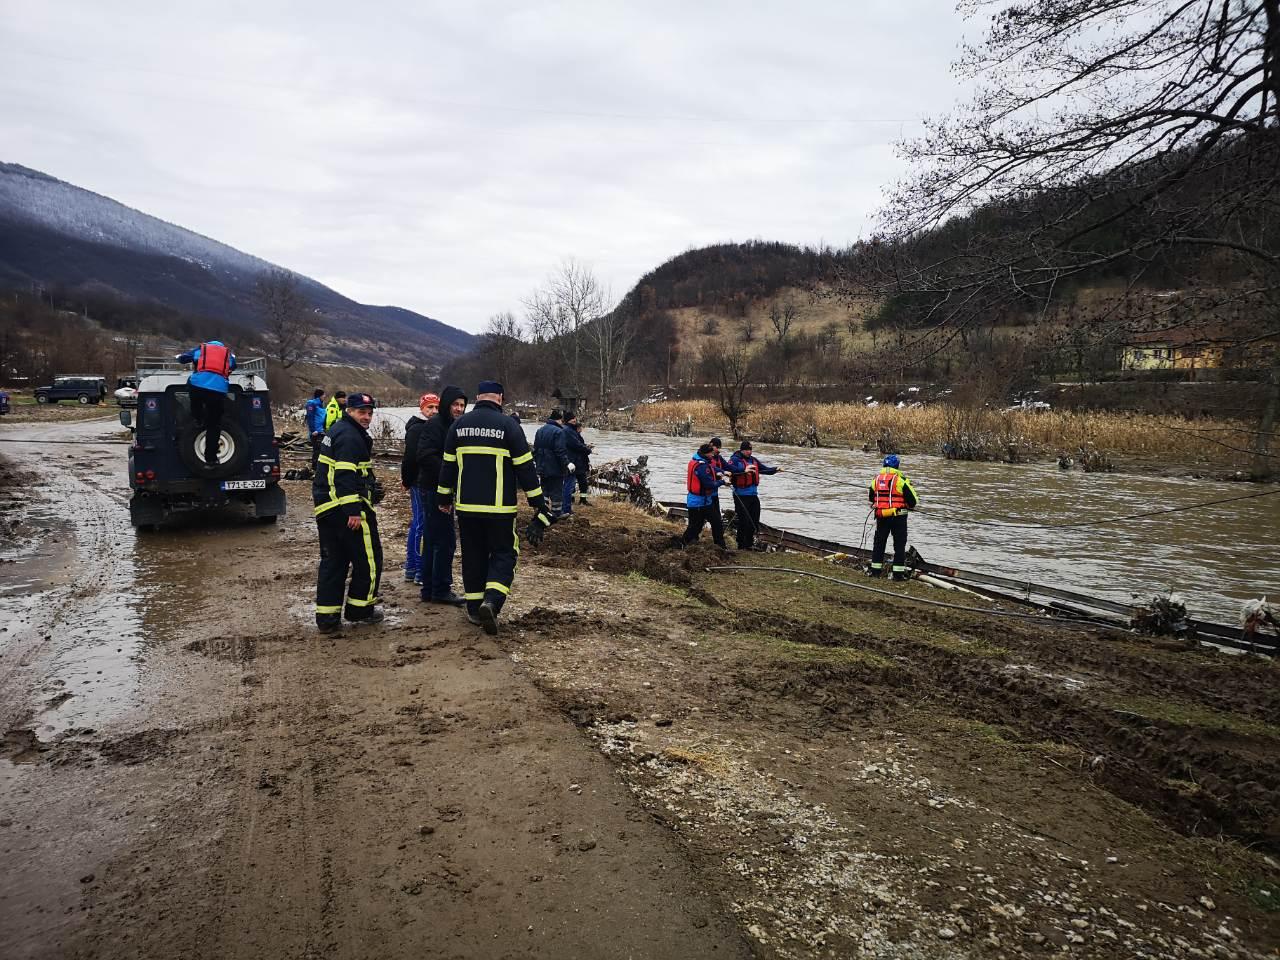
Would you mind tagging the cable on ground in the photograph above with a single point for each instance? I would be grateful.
(1012, 614)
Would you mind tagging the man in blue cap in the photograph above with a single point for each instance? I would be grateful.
(343, 491)
(208, 391)
(485, 456)
(892, 496)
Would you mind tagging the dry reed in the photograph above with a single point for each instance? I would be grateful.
(926, 428)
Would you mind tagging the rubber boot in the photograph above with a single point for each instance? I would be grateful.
(489, 618)
(328, 623)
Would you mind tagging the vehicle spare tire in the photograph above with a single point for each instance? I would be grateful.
(233, 451)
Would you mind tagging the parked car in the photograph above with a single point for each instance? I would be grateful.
(127, 391)
(167, 470)
(80, 389)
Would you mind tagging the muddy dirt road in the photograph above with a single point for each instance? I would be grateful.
(649, 761)
(189, 772)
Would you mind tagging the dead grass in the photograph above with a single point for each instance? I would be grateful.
(927, 427)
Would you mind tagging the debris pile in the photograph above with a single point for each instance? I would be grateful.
(1164, 616)
(627, 479)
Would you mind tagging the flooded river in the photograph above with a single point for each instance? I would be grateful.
(1216, 557)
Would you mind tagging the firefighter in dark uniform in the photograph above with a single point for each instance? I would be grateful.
(891, 495)
(485, 456)
(343, 491)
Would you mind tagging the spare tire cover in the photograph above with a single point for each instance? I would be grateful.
(233, 451)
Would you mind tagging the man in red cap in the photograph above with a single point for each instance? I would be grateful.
(428, 404)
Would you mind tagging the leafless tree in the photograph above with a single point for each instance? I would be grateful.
(783, 317)
(748, 325)
(287, 320)
(1114, 137)
(559, 311)
(503, 334)
(731, 372)
(610, 337)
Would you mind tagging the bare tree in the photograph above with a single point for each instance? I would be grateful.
(560, 310)
(1105, 137)
(731, 372)
(288, 324)
(610, 337)
(748, 325)
(503, 336)
(782, 318)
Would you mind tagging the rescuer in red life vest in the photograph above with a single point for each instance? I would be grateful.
(702, 497)
(746, 472)
(214, 362)
(891, 496)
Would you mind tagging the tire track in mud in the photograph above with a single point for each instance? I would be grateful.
(1231, 788)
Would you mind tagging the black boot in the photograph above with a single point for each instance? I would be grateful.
(452, 599)
(489, 618)
(901, 575)
(364, 615)
(328, 623)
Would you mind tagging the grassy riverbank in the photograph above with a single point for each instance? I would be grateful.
(1218, 445)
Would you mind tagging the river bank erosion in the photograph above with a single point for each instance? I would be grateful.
(650, 760)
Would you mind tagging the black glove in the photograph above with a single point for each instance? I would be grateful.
(379, 492)
(538, 526)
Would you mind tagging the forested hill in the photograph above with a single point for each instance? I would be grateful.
(57, 236)
(726, 274)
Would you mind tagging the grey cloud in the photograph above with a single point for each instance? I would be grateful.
(445, 157)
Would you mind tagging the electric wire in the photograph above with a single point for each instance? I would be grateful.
(945, 517)
(1011, 614)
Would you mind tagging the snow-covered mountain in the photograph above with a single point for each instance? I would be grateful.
(53, 233)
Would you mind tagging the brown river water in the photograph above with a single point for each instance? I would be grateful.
(1215, 557)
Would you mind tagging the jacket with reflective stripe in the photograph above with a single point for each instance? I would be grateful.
(485, 456)
(891, 493)
(332, 412)
(344, 470)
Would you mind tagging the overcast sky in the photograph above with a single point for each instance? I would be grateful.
(446, 157)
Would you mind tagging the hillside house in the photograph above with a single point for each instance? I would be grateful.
(1178, 348)
(1199, 348)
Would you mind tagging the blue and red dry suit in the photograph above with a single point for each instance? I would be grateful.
(746, 471)
(702, 485)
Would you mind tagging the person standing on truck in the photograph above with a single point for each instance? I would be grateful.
(440, 540)
(333, 411)
(485, 457)
(428, 404)
(208, 390)
(343, 492)
(315, 424)
(746, 471)
(892, 496)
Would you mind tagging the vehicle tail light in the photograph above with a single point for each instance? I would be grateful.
(275, 471)
(151, 474)
(275, 441)
(139, 476)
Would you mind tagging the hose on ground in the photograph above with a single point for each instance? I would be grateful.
(1012, 614)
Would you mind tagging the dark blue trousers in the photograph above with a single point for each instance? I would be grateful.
(439, 544)
(417, 527)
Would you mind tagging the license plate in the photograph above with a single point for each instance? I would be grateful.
(244, 484)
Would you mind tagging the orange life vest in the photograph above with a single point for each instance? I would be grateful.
(749, 477)
(692, 482)
(889, 496)
(214, 358)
